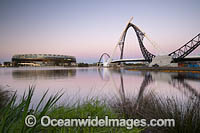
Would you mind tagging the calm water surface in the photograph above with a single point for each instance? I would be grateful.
(104, 83)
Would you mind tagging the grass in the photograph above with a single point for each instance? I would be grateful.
(13, 114)
(91, 108)
(186, 115)
(4, 96)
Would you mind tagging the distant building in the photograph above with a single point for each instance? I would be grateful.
(7, 64)
(189, 64)
(43, 60)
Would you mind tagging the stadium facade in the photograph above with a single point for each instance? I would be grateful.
(43, 60)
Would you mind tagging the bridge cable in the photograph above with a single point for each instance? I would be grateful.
(155, 45)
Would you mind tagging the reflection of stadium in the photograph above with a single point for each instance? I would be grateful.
(44, 74)
(43, 60)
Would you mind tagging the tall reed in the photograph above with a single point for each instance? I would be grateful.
(185, 114)
(13, 114)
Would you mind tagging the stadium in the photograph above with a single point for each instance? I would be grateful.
(43, 60)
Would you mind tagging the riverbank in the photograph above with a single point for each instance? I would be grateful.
(164, 69)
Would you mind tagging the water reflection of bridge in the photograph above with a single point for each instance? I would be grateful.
(176, 80)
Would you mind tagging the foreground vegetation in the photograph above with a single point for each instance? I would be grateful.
(185, 114)
(14, 112)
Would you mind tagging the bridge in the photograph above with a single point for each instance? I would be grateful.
(188, 58)
(178, 55)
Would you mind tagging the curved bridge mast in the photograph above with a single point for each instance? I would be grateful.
(140, 36)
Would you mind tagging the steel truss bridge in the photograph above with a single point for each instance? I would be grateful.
(177, 55)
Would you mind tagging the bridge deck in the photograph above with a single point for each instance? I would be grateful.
(143, 60)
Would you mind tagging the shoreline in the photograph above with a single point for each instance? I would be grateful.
(164, 69)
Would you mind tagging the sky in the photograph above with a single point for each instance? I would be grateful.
(88, 28)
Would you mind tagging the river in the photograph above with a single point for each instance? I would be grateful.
(79, 84)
